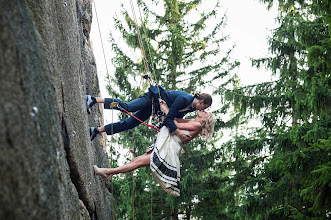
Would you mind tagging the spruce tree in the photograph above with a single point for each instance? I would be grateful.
(283, 170)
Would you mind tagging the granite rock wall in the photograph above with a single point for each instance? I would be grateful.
(46, 67)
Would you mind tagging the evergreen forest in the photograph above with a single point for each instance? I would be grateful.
(278, 168)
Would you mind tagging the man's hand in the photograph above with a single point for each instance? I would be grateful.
(185, 138)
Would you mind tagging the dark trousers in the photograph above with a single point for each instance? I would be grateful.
(141, 106)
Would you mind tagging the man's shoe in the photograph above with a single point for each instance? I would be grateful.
(90, 101)
(93, 132)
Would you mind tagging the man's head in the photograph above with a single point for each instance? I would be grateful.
(202, 101)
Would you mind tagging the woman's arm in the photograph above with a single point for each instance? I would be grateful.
(193, 127)
(188, 126)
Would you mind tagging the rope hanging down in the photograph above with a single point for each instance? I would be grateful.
(139, 38)
(142, 46)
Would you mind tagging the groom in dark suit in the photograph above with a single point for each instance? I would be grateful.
(179, 102)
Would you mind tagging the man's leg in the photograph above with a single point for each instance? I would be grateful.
(142, 102)
(143, 105)
(128, 123)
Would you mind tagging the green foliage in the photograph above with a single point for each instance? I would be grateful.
(282, 169)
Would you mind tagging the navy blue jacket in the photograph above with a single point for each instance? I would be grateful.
(176, 100)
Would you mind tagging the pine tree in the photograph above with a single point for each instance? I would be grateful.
(182, 56)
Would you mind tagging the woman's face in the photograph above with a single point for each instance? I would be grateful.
(202, 114)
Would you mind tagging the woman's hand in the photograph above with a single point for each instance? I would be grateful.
(163, 106)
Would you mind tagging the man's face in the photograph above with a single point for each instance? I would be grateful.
(201, 106)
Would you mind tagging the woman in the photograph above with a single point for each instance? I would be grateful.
(163, 155)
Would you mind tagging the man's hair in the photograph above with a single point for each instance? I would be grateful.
(207, 99)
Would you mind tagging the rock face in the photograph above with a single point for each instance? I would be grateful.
(46, 68)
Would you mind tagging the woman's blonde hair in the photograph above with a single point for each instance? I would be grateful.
(208, 127)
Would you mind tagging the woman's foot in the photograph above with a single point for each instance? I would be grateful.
(99, 172)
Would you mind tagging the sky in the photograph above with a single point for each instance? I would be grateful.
(248, 24)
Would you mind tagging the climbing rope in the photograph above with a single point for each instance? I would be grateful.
(139, 38)
(149, 52)
(146, 71)
(142, 45)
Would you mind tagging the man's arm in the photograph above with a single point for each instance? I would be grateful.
(178, 104)
(174, 123)
(185, 138)
(165, 109)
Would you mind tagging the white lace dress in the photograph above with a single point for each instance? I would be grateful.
(165, 163)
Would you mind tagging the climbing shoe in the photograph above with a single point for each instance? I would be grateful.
(93, 132)
(90, 101)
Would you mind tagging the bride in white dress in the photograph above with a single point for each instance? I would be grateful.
(163, 155)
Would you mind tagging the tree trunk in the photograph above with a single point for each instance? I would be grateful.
(174, 214)
(188, 212)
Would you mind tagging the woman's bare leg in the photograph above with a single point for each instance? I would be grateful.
(141, 161)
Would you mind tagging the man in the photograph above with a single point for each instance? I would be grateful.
(179, 102)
